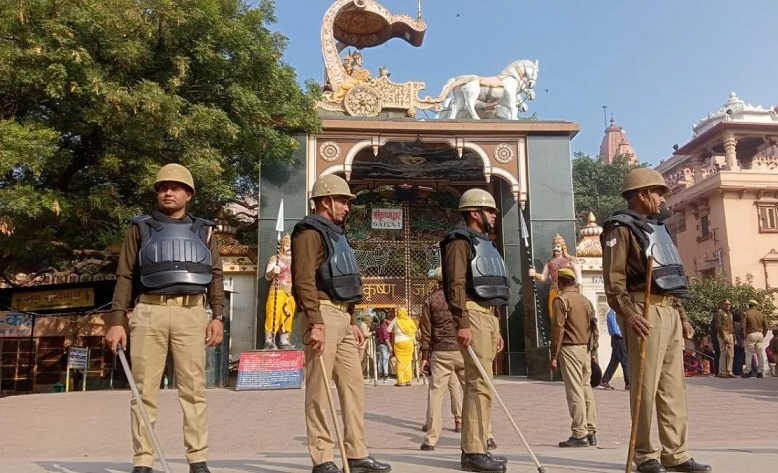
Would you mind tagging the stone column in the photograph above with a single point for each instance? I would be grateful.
(697, 167)
(730, 152)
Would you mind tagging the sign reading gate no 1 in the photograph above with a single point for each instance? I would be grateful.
(387, 219)
(78, 359)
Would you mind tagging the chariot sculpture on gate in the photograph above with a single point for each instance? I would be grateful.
(350, 89)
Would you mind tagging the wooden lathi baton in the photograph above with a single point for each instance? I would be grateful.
(641, 368)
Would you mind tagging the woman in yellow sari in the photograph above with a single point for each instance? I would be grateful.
(403, 330)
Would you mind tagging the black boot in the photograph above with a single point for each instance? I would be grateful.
(327, 467)
(498, 458)
(367, 465)
(427, 448)
(141, 469)
(592, 438)
(574, 442)
(690, 466)
(651, 466)
(199, 467)
(480, 462)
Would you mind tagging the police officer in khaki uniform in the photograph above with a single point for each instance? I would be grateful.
(326, 283)
(476, 283)
(628, 237)
(725, 325)
(754, 331)
(169, 311)
(574, 341)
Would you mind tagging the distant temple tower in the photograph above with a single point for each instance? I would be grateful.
(615, 143)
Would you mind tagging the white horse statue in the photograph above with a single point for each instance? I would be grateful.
(504, 95)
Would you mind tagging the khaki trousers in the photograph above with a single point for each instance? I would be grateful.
(754, 344)
(153, 330)
(447, 371)
(576, 365)
(477, 402)
(664, 386)
(341, 360)
(727, 353)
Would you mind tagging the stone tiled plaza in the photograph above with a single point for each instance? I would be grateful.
(264, 431)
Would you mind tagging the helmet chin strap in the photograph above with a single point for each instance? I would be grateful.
(486, 224)
(331, 210)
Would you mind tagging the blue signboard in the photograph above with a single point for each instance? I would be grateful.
(270, 369)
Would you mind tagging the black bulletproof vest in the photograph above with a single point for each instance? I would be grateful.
(338, 274)
(173, 253)
(487, 277)
(668, 274)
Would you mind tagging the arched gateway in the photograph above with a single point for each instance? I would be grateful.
(408, 175)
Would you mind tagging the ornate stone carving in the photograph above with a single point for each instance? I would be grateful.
(329, 151)
(735, 110)
(363, 101)
(503, 153)
(589, 245)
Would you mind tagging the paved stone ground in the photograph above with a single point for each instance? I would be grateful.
(732, 427)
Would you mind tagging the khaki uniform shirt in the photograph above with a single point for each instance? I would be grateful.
(307, 256)
(724, 322)
(572, 321)
(128, 257)
(754, 321)
(623, 259)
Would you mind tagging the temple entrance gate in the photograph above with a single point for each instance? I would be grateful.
(395, 233)
(398, 165)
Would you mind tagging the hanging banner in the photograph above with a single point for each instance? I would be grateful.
(15, 324)
(54, 299)
(387, 219)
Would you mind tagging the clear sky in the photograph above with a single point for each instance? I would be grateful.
(659, 65)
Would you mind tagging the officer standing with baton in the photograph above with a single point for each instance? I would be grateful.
(476, 283)
(628, 239)
(169, 312)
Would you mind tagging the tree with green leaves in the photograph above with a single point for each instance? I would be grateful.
(597, 186)
(708, 294)
(95, 95)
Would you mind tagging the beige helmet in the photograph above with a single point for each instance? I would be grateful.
(174, 173)
(642, 178)
(476, 199)
(566, 272)
(330, 185)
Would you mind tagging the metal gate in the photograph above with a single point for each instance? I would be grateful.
(396, 233)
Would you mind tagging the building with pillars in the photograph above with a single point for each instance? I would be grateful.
(724, 194)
